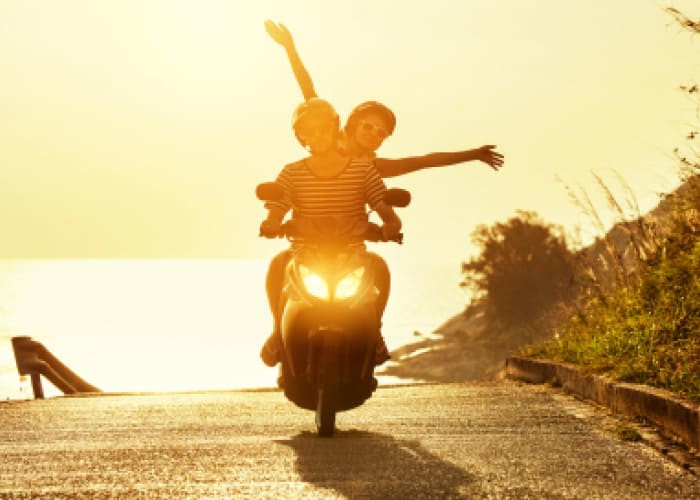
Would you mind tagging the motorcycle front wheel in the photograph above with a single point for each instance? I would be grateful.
(325, 413)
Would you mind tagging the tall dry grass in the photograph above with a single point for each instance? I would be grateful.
(637, 317)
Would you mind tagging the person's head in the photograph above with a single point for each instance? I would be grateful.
(315, 125)
(368, 125)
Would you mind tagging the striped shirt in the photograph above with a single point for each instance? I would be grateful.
(344, 195)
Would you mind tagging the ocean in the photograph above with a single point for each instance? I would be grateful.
(138, 325)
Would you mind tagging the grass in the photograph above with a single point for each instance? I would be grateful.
(647, 331)
(626, 432)
(638, 315)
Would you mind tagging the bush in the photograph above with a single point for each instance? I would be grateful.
(648, 334)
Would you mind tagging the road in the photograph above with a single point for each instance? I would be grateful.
(485, 440)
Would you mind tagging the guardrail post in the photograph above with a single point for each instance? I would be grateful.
(25, 359)
(36, 386)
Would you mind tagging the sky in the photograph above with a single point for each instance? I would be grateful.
(139, 129)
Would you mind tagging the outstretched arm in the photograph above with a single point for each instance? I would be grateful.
(393, 167)
(281, 35)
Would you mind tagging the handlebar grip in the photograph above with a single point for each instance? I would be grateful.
(374, 233)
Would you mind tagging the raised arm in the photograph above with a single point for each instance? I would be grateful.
(280, 34)
(389, 167)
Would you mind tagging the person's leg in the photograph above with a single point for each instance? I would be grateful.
(273, 283)
(270, 352)
(382, 280)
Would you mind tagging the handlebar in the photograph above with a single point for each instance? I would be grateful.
(372, 232)
(332, 234)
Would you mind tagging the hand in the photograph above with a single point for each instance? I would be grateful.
(279, 33)
(391, 231)
(270, 228)
(492, 158)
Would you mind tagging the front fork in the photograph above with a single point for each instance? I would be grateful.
(328, 359)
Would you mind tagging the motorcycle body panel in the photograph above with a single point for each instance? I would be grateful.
(329, 345)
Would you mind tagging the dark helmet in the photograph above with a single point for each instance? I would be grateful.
(370, 107)
(313, 107)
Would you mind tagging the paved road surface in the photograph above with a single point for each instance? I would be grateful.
(490, 440)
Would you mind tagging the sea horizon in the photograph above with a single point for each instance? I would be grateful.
(152, 325)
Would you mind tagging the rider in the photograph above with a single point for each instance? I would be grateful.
(326, 182)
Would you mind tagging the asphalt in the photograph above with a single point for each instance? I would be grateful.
(486, 440)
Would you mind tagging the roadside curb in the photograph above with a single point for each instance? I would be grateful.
(673, 415)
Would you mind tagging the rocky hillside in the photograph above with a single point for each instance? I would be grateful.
(472, 345)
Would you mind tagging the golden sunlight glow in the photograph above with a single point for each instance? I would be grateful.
(347, 287)
(144, 325)
(133, 134)
(313, 283)
(140, 129)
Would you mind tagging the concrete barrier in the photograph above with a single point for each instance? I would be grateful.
(673, 415)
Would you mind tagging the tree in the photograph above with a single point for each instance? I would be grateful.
(523, 268)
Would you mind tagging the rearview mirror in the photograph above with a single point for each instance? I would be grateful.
(269, 191)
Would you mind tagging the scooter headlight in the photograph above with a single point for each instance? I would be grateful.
(313, 283)
(348, 286)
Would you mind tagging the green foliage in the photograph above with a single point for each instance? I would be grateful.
(524, 267)
(626, 432)
(629, 304)
(648, 333)
(646, 329)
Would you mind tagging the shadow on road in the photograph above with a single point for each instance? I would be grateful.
(366, 464)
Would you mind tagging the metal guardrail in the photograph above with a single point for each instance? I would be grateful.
(35, 360)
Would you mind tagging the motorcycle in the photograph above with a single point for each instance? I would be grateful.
(329, 323)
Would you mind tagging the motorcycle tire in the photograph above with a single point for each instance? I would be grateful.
(325, 413)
